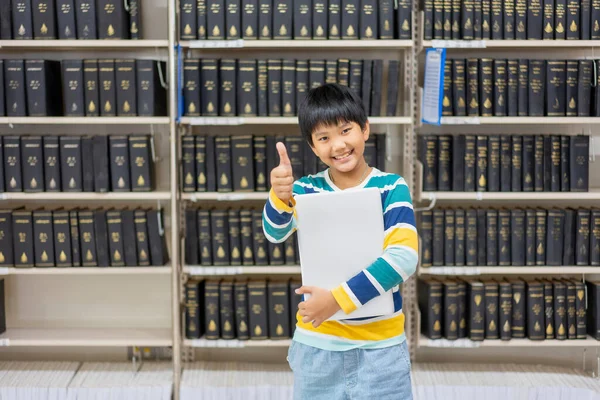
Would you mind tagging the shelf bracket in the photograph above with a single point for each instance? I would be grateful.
(431, 205)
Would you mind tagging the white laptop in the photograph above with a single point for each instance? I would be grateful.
(340, 234)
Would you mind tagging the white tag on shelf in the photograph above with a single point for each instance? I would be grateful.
(231, 197)
(216, 44)
(217, 121)
(459, 343)
(4, 342)
(460, 121)
(4, 271)
(3, 196)
(458, 44)
(479, 196)
(198, 270)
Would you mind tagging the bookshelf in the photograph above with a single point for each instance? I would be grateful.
(84, 120)
(164, 270)
(193, 270)
(49, 337)
(570, 270)
(98, 45)
(588, 342)
(296, 44)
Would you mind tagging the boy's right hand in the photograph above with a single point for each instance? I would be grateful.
(282, 179)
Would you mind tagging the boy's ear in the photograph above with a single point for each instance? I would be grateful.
(366, 131)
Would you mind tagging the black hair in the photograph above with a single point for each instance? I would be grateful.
(328, 105)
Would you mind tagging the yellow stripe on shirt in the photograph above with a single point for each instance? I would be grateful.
(402, 236)
(343, 299)
(378, 330)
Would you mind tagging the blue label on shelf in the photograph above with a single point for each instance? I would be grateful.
(433, 90)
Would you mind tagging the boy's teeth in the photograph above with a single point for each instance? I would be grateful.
(342, 156)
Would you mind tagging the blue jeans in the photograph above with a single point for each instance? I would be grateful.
(359, 374)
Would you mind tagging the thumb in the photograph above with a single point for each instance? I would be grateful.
(304, 289)
(283, 155)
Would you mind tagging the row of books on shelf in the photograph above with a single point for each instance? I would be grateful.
(510, 237)
(499, 87)
(241, 309)
(233, 237)
(505, 163)
(77, 88)
(244, 163)
(82, 238)
(538, 309)
(298, 19)
(76, 164)
(511, 19)
(69, 19)
(275, 87)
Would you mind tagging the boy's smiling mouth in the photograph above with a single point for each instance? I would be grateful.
(343, 156)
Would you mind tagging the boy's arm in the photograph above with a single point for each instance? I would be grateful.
(399, 259)
(279, 219)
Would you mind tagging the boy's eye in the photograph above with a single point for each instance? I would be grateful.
(322, 138)
(346, 130)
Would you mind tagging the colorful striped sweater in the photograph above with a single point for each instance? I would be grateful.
(397, 262)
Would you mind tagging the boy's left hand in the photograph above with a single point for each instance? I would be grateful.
(319, 307)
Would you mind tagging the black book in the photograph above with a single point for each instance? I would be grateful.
(135, 20)
(215, 19)
(112, 19)
(211, 164)
(539, 163)
(227, 88)
(295, 149)
(87, 164)
(334, 19)
(476, 306)
(101, 235)
(579, 163)
(459, 105)
(243, 166)
(235, 239)
(392, 87)
(32, 156)
(43, 235)
(302, 81)
(470, 162)
(193, 293)
(473, 87)
(141, 165)
(594, 237)
(517, 237)
(310, 159)
(471, 238)
(295, 299)
(44, 89)
(240, 302)
(481, 170)
(302, 19)
(75, 238)
(87, 233)
(491, 222)
(101, 163)
(456, 19)
(233, 20)
(252, 20)
(510, 162)
(73, 88)
(356, 76)
(129, 239)
(560, 309)
(573, 20)
(188, 164)
(560, 19)
(580, 310)
(447, 19)
(429, 160)
(6, 239)
(247, 237)
(343, 71)
(368, 19)
(22, 19)
(90, 86)
(12, 164)
(486, 87)
(258, 310)
(15, 88)
(535, 19)
(204, 237)
(209, 96)
(261, 170)
(497, 20)
(44, 19)
(477, 20)
(547, 175)
(404, 20)
(381, 151)
(316, 74)
(571, 310)
(540, 236)
(462, 309)
(493, 172)
(486, 19)
(282, 19)
(120, 164)
(386, 19)
(438, 237)
(482, 241)
(278, 301)
(2, 83)
(459, 237)
(108, 90)
(223, 164)
(70, 166)
(288, 86)
(555, 159)
(23, 239)
(535, 311)
(450, 317)
(446, 101)
(157, 238)
(466, 28)
(505, 309)
(350, 19)
(86, 20)
(512, 91)
(376, 88)
(444, 178)
(5, 20)
(188, 20)
(201, 159)
(555, 237)
(523, 88)
(247, 88)
(569, 238)
(211, 309)
(491, 310)
(274, 72)
(438, 18)
(426, 230)
(116, 249)
(548, 308)
(260, 242)
(530, 237)
(556, 88)
(449, 237)
(537, 80)
(571, 92)
(504, 237)
(226, 310)
(191, 237)
(528, 163)
(151, 95)
(584, 88)
(518, 307)
(593, 311)
(548, 10)
(582, 237)
(427, 19)
(458, 163)
(595, 20)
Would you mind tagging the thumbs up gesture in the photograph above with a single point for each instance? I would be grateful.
(282, 179)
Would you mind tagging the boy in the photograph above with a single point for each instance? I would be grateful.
(363, 358)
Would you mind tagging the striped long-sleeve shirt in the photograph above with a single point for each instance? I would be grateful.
(397, 262)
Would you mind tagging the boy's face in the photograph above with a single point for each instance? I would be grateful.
(340, 147)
